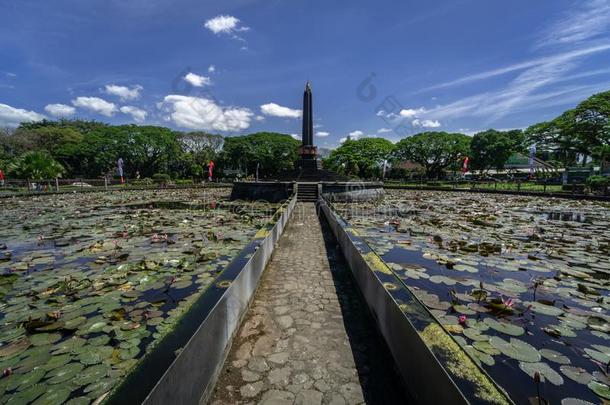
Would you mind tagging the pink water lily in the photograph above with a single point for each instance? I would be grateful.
(462, 319)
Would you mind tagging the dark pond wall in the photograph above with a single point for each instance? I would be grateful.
(266, 191)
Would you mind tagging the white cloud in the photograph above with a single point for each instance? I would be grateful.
(585, 23)
(259, 118)
(412, 113)
(123, 92)
(136, 113)
(204, 114)
(342, 139)
(95, 104)
(60, 110)
(296, 136)
(276, 110)
(225, 24)
(356, 135)
(12, 117)
(211, 69)
(322, 133)
(196, 80)
(425, 123)
(383, 130)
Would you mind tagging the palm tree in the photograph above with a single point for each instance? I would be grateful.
(36, 166)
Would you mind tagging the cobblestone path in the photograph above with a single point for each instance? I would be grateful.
(308, 337)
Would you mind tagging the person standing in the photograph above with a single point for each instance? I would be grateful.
(210, 170)
(1, 178)
(119, 165)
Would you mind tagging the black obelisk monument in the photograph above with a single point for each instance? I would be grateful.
(308, 151)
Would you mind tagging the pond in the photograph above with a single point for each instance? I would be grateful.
(522, 283)
(90, 282)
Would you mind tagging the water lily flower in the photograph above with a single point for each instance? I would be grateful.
(462, 319)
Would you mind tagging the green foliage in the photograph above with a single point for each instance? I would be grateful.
(161, 177)
(491, 149)
(363, 157)
(434, 151)
(598, 181)
(35, 166)
(274, 153)
(581, 130)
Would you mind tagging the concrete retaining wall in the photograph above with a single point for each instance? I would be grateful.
(397, 312)
(204, 334)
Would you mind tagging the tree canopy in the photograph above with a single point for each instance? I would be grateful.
(363, 157)
(491, 149)
(434, 151)
(273, 152)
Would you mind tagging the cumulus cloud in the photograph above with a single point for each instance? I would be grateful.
(95, 104)
(211, 69)
(276, 110)
(136, 113)
(356, 134)
(426, 123)
(123, 92)
(296, 136)
(225, 24)
(411, 113)
(60, 110)
(12, 117)
(322, 134)
(383, 130)
(204, 114)
(196, 80)
(259, 118)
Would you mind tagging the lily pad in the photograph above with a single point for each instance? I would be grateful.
(578, 374)
(544, 370)
(600, 389)
(517, 349)
(554, 356)
(505, 327)
(65, 373)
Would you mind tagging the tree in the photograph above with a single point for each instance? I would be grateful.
(491, 148)
(434, 151)
(363, 157)
(273, 152)
(36, 166)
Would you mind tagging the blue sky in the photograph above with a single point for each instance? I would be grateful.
(382, 68)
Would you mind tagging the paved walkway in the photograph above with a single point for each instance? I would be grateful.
(308, 338)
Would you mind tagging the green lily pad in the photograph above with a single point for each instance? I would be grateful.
(505, 327)
(57, 361)
(544, 309)
(27, 395)
(92, 374)
(600, 389)
(53, 396)
(578, 374)
(65, 373)
(598, 356)
(554, 356)
(544, 370)
(517, 349)
(475, 334)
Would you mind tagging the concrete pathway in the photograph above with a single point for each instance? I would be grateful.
(308, 337)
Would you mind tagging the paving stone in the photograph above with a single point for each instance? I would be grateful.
(251, 390)
(277, 397)
(293, 346)
(308, 397)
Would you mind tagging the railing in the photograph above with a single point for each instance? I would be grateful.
(545, 187)
(18, 186)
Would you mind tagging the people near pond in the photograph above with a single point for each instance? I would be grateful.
(1, 178)
(210, 170)
(137, 175)
(119, 166)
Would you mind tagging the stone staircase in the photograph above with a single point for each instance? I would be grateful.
(307, 192)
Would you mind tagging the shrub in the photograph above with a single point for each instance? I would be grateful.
(161, 177)
(598, 181)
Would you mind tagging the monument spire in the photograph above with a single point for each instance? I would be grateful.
(307, 134)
